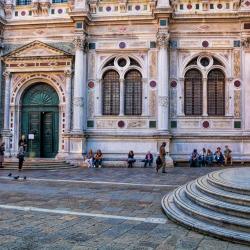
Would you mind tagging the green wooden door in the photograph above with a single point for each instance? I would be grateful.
(40, 117)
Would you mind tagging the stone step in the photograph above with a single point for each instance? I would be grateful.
(176, 214)
(215, 204)
(205, 187)
(229, 182)
(204, 214)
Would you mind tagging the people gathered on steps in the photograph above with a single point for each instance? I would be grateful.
(207, 158)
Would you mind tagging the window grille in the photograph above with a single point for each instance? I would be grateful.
(133, 93)
(111, 93)
(59, 1)
(216, 92)
(23, 2)
(193, 93)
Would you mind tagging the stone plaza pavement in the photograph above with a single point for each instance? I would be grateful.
(96, 209)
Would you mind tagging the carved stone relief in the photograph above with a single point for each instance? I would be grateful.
(237, 64)
(153, 65)
(152, 103)
(91, 104)
(237, 110)
(221, 124)
(91, 68)
(137, 124)
(106, 124)
(163, 101)
(173, 102)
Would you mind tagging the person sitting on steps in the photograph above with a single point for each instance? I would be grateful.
(148, 159)
(98, 159)
(131, 159)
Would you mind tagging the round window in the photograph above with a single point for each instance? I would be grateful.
(122, 62)
(205, 61)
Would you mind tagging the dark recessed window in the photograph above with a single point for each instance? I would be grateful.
(122, 62)
(181, 6)
(204, 61)
(59, 1)
(197, 6)
(23, 2)
(211, 6)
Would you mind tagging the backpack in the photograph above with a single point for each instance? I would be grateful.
(158, 160)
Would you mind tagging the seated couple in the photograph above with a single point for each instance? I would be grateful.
(94, 160)
(147, 161)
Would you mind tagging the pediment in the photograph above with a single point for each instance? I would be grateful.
(36, 49)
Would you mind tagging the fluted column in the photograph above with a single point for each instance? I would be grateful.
(68, 75)
(121, 97)
(79, 98)
(7, 101)
(162, 41)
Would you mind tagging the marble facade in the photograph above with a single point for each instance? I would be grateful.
(68, 45)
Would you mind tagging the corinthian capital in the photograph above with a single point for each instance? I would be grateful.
(162, 39)
(79, 42)
(246, 42)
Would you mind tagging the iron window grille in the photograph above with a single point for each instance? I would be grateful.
(23, 2)
(193, 93)
(216, 93)
(111, 93)
(59, 1)
(133, 93)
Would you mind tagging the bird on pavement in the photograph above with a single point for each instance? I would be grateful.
(24, 177)
(10, 174)
(16, 177)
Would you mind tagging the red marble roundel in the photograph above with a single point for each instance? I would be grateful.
(219, 6)
(23, 13)
(122, 45)
(205, 44)
(91, 85)
(152, 84)
(173, 84)
(121, 124)
(205, 124)
(137, 7)
(237, 83)
(189, 6)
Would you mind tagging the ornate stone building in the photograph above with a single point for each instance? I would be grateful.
(122, 75)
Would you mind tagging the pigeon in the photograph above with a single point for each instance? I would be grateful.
(10, 174)
(16, 177)
(24, 177)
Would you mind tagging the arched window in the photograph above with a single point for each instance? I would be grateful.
(111, 93)
(193, 93)
(216, 92)
(133, 93)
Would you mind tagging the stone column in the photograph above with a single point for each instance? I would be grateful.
(122, 97)
(7, 101)
(163, 67)
(68, 75)
(204, 96)
(79, 97)
(6, 130)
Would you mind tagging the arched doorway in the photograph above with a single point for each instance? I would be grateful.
(40, 119)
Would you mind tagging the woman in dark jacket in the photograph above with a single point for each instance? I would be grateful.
(20, 157)
(131, 159)
(2, 149)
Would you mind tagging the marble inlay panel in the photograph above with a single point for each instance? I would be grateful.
(188, 124)
(152, 103)
(237, 111)
(137, 124)
(221, 124)
(106, 124)
(237, 64)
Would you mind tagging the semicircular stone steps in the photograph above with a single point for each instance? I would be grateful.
(214, 204)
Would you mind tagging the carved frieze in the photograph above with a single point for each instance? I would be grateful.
(137, 124)
(106, 124)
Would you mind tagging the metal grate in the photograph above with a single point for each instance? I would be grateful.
(111, 93)
(216, 93)
(133, 93)
(193, 93)
(23, 2)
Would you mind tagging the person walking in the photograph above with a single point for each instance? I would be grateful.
(163, 157)
(20, 157)
(2, 149)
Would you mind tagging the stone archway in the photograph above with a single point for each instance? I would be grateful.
(40, 119)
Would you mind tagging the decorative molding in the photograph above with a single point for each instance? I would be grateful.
(162, 39)
(67, 73)
(163, 101)
(8, 9)
(245, 42)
